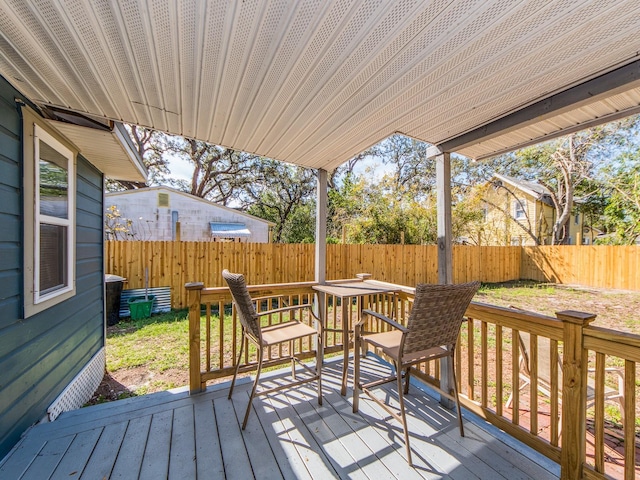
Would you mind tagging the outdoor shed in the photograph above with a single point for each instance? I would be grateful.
(166, 214)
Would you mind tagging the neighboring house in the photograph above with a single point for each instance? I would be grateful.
(517, 212)
(162, 213)
(52, 320)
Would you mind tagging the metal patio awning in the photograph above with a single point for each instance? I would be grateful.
(314, 82)
(229, 230)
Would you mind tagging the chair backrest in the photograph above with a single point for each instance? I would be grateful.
(544, 358)
(245, 308)
(437, 315)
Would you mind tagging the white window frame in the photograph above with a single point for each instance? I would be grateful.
(520, 209)
(34, 301)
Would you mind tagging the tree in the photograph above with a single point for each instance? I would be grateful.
(115, 226)
(411, 167)
(150, 145)
(622, 186)
(219, 174)
(283, 194)
(565, 167)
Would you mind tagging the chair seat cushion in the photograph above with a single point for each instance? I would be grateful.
(283, 332)
(389, 342)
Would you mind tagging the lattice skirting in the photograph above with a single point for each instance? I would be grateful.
(81, 387)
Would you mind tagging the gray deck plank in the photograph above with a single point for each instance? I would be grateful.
(477, 447)
(299, 436)
(381, 429)
(182, 461)
(288, 436)
(129, 461)
(208, 453)
(332, 432)
(48, 459)
(136, 403)
(75, 459)
(104, 454)
(64, 427)
(291, 465)
(256, 442)
(155, 463)
(234, 452)
(427, 452)
(21, 457)
(513, 458)
(375, 433)
(341, 458)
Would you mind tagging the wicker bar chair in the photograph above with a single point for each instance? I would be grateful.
(267, 336)
(432, 332)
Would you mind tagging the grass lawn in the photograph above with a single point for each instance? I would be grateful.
(152, 354)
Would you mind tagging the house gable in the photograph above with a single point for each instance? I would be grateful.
(516, 212)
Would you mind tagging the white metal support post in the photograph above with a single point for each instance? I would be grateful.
(445, 255)
(321, 228)
(321, 249)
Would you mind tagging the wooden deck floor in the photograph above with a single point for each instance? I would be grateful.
(173, 435)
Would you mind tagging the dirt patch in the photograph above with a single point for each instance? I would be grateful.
(131, 382)
(110, 389)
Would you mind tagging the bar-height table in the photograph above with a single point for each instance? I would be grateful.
(346, 291)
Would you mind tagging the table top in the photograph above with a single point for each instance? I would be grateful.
(353, 289)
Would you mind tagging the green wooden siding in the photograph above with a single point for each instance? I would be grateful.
(40, 355)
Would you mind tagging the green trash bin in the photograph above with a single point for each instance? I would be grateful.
(141, 307)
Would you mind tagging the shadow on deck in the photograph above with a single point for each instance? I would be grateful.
(174, 435)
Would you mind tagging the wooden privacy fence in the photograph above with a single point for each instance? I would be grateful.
(602, 266)
(550, 417)
(173, 264)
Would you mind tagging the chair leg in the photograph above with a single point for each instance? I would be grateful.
(407, 378)
(235, 373)
(293, 361)
(402, 413)
(255, 386)
(357, 344)
(319, 367)
(455, 391)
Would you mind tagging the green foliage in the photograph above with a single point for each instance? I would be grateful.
(283, 194)
(397, 197)
(622, 212)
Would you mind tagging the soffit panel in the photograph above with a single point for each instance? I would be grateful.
(105, 150)
(610, 108)
(314, 82)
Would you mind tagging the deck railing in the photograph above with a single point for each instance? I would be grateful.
(551, 418)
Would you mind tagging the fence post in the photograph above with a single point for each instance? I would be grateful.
(194, 294)
(574, 391)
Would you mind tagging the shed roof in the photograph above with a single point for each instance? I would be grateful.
(203, 201)
(314, 82)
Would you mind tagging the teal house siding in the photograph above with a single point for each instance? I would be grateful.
(41, 354)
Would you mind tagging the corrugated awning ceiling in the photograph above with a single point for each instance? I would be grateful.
(315, 82)
(229, 230)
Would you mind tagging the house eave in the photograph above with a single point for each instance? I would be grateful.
(109, 149)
